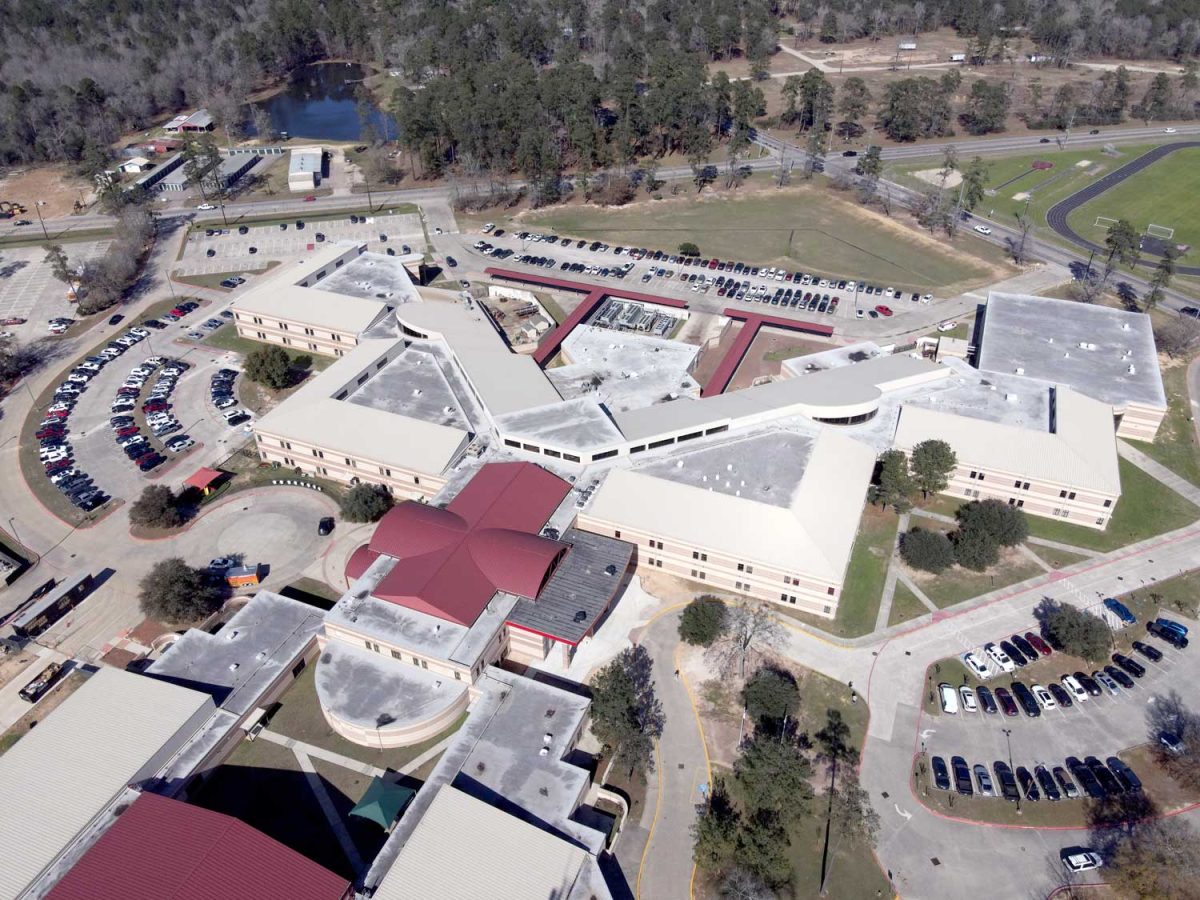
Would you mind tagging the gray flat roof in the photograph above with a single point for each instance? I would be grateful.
(990, 396)
(1043, 337)
(765, 467)
(372, 276)
(578, 424)
(584, 582)
(415, 385)
(359, 687)
(239, 662)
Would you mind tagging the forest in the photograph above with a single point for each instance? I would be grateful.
(532, 88)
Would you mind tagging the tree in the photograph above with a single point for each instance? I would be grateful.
(854, 101)
(60, 266)
(870, 164)
(1123, 242)
(771, 697)
(1177, 337)
(1161, 279)
(157, 507)
(829, 28)
(974, 183)
(932, 462)
(627, 717)
(987, 108)
(742, 884)
(199, 158)
(687, 248)
(975, 549)
(774, 776)
(1074, 630)
(763, 848)
(715, 831)
(1024, 226)
(749, 625)
(929, 551)
(175, 593)
(893, 484)
(1157, 859)
(850, 816)
(269, 365)
(702, 621)
(1004, 523)
(1159, 101)
(366, 503)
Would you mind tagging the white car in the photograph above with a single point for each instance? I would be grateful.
(154, 361)
(1082, 861)
(926, 298)
(487, 227)
(949, 698)
(180, 444)
(1074, 688)
(947, 326)
(1044, 698)
(969, 703)
(140, 332)
(977, 666)
(231, 414)
(859, 314)
(1170, 131)
(999, 657)
(205, 207)
(983, 229)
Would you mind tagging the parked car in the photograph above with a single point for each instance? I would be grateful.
(983, 781)
(1108, 781)
(1169, 635)
(325, 526)
(999, 657)
(1133, 667)
(962, 776)
(1087, 781)
(1060, 695)
(1151, 653)
(1038, 644)
(968, 699)
(986, 700)
(1006, 780)
(1120, 610)
(1119, 677)
(1044, 698)
(949, 698)
(1025, 698)
(1025, 647)
(1129, 781)
(1028, 784)
(941, 775)
(1087, 682)
(1108, 683)
(975, 664)
(1046, 783)
(1014, 654)
(1007, 704)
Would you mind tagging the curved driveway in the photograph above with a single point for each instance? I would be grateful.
(1057, 215)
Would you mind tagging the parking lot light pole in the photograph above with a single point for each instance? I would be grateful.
(37, 208)
(1011, 771)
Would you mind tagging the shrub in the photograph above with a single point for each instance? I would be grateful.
(771, 696)
(366, 503)
(270, 366)
(1076, 631)
(702, 621)
(157, 507)
(687, 248)
(930, 551)
(975, 549)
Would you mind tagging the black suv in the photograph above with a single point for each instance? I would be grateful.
(1025, 698)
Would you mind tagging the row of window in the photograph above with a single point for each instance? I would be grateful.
(416, 660)
(351, 463)
(701, 556)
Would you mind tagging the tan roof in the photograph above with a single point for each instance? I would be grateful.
(463, 849)
(280, 296)
(505, 381)
(313, 416)
(813, 536)
(65, 772)
(1081, 452)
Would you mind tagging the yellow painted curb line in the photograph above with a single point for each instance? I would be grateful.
(653, 822)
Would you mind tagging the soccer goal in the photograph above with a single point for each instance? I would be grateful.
(1104, 222)
(1160, 231)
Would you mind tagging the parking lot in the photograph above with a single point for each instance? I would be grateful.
(231, 251)
(1100, 726)
(702, 286)
(29, 291)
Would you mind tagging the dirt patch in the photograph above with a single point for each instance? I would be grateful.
(58, 189)
(934, 177)
(764, 358)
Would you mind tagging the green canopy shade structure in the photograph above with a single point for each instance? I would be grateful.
(383, 802)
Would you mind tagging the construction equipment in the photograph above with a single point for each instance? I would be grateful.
(9, 209)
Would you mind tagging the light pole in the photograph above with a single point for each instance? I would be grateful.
(13, 528)
(1008, 741)
(37, 208)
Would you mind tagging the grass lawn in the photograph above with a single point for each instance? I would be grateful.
(807, 228)
(1181, 594)
(1057, 559)
(227, 338)
(958, 584)
(865, 575)
(300, 717)
(1146, 508)
(1163, 194)
(1175, 444)
(905, 606)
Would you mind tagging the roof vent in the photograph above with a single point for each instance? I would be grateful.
(1124, 326)
(545, 751)
(1012, 398)
(580, 617)
(231, 635)
(547, 738)
(260, 655)
(233, 667)
(1084, 345)
(437, 627)
(1132, 370)
(416, 392)
(1020, 370)
(610, 569)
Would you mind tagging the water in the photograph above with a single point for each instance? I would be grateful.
(319, 103)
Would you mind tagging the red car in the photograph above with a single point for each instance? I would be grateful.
(1006, 701)
(127, 431)
(156, 406)
(883, 310)
(49, 433)
(57, 413)
(1038, 644)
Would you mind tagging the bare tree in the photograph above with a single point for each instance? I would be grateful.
(1178, 337)
(1018, 246)
(750, 627)
(742, 884)
(850, 816)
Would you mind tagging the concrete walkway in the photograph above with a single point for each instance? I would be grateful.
(917, 592)
(889, 582)
(1025, 551)
(1041, 542)
(320, 753)
(1159, 472)
(432, 752)
(331, 814)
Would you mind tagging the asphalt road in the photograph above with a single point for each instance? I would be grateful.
(1056, 216)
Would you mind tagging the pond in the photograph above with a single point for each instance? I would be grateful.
(319, 103)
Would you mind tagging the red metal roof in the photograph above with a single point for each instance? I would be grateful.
(452, 561)
(723, 374)
(595, 293)
(162, 849)
(202, 478)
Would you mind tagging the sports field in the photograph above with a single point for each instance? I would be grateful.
(801, 228)
(1163, 194)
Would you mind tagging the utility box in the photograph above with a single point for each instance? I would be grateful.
(243, 576)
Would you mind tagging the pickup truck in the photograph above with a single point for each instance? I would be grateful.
(34, 691)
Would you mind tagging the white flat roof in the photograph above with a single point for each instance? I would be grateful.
(314, 416)
(1080, 452)
(812, 534)
(506, 382)
(65, 772)
(1045, 338)
(462, 849)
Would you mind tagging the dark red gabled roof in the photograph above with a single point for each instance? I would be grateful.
(162, 849)
(452, 561)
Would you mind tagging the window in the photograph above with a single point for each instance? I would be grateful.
(616, 532)
(309, 332)
(1023, 485)
(657, 545)
(261, 336)
(1107, 504)
(312, 346)
(744, 586)
(703, 557)
(696, 573)
(287, 342)
(283, 326)
(1020, 503)
(416, 660)
(1071, 496)
(396, 654)
(416, 479)
(829, 591)
(1100, 521)
(1062, 495)
(387, 473)
(337, 337)
(424, 664)
(457, 675)
(318, 453)
(749, 570)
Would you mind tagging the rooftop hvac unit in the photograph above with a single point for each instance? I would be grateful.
(1132, 370)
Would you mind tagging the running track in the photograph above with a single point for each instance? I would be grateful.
(1056, 218)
